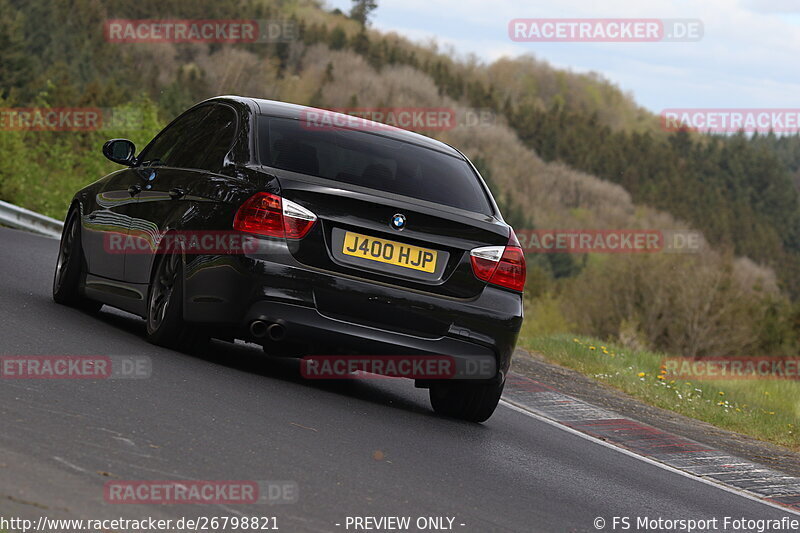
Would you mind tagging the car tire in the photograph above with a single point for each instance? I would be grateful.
(473, 402)
(165, 324)
(70, 267)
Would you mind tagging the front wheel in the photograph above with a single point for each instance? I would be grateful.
(70, 267)
(474, 402)
(165, 324)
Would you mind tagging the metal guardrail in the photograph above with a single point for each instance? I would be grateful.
(21, 218)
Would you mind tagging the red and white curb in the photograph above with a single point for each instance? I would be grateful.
(660, 447)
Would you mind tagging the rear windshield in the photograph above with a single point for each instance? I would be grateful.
(371, 160)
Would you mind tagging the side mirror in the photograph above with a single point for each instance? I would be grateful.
(120, 151)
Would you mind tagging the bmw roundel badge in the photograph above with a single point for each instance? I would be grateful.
(398, 221)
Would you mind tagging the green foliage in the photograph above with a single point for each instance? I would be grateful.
(15, 63)
(338, 38)
(42, 170)
(707, 305)
(734, 189)
(544, 316)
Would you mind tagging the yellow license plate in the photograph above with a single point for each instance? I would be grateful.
(390, 252)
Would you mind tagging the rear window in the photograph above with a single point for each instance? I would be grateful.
(371, 160)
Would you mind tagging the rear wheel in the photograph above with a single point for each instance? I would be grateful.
(474, 402)
(165, 324)
(70, 267)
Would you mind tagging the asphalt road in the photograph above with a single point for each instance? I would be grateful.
(236, 415)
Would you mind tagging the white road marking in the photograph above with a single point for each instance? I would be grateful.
(732, 490)
(74, 467)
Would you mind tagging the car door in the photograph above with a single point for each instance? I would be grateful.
(176, 174)
(106, 223)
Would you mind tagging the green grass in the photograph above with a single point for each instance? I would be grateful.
(766, 409)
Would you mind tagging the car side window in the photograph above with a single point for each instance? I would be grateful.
(170, 147)
(221, 122)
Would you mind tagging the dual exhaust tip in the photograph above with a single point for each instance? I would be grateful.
(273, 331)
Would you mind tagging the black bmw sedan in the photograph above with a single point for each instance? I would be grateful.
(253, 219)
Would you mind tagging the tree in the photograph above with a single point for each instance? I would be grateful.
(362, 9)
(15, 64)
(337, 39)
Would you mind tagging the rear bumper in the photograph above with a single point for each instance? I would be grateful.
(471, 360)
(339, 314)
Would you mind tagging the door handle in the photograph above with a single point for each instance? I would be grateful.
(177, 193)
(133, 190)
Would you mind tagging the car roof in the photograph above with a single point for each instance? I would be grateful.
(295, 111)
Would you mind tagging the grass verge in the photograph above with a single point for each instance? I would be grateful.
(764, 409)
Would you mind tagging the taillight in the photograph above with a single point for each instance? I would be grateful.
(500, 265)
(484, 261)
(273, 216)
